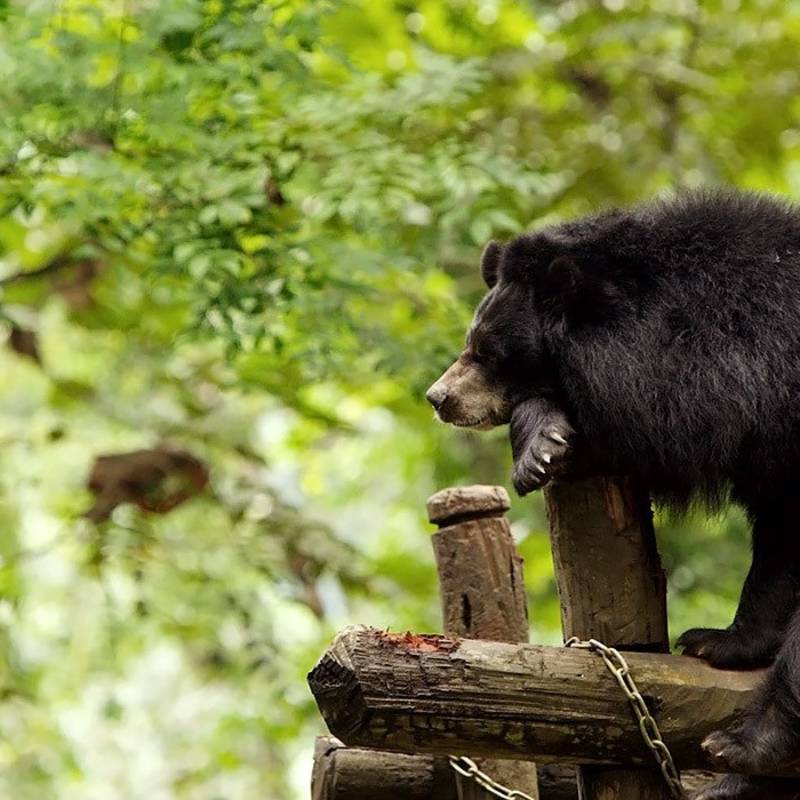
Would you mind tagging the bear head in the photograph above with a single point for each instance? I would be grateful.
(541, 287)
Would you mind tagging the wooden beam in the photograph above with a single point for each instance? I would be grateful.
(612, 588)
(482, 589)
(431, 694)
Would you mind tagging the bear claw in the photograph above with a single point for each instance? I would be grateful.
(722, 749)
(759, 743)
(541, 441)
(543, 458)
(556, 436)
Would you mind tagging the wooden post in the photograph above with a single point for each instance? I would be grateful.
(483, 597)
(612, 588)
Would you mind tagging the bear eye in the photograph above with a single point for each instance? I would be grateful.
(482, 354)
(477, 355)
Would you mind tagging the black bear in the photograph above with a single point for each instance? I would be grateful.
(664, 341)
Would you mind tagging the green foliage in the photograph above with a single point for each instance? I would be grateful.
(252, 228)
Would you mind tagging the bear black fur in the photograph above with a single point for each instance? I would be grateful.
(664, 341)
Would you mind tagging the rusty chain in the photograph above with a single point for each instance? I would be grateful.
(648, 726)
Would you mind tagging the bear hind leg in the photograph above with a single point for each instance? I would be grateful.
(766, 737)
(744, 787)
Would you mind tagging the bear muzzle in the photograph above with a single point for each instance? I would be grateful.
(464, 396)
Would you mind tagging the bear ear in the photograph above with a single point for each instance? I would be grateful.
(490, 262)
(563, 279)
(577, 295)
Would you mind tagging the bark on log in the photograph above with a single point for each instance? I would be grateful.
(430, 694)
(611, 588)
(482, 590)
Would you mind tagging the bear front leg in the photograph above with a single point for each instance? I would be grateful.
(769, 598)
(541, 443)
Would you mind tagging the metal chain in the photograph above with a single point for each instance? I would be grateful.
(648, 727)
(469, 769)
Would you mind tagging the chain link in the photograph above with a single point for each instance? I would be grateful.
(469, 769)
(648, 726)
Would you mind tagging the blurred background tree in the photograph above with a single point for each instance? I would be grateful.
(250, 230)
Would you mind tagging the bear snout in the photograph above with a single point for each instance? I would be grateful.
(464, 396)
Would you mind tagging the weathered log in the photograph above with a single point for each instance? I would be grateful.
(353, 773)
(482, 590)
(612, 588)
(430, 694)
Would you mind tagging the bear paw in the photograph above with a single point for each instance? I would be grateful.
(731, 648)
(544, 458)
(743, 787)
(760, 742)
